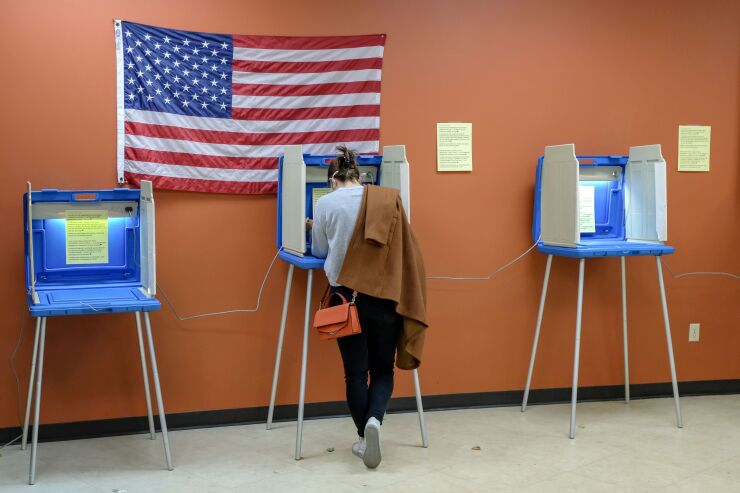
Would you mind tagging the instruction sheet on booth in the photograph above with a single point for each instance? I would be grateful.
(87, 237)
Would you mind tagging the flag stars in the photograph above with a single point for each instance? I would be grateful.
(224, 45)
(147, 37)
(214, 67)
(167, 40)
(157, 76)
(139, 58)
(195, 82)
(129, 50)
(140, 89)
(176, 63)
(195, 96)
(128, 34)
(176, 49)
(167, 55)
(205, 44)
(149, 98)
(148, 68)
(195, 66)
(204, 105)
(166, 85)
(204, 59)
(147, 52)
(213, 97)
(140, 73)
(149, 82)
(157, 46)
(158, 92)
(167, 70)
(223, 90)
(185, 103)
(157, 61)
(223, 106)
(204, 90)
(214, 52)
(131, 97)
(167, 100)
(214, 83)
(130, 65)
(186, 57)
(131, 81)
(223, 76)
(186, 72)
(138, 43)
(186, 42)
(176, 79)
(223, 61)
(196, 51)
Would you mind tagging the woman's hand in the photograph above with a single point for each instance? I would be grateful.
(309, 224)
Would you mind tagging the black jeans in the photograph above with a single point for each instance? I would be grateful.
(373, 353)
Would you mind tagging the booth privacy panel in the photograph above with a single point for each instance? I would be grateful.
(559, 199)
(646, 202)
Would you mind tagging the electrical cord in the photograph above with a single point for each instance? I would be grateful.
(225, 312)
(11, 363)
(686, 274)
(490, 276)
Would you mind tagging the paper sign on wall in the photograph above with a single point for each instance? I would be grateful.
(87, 237)
(316, 194)
(587, 215)
(454, 147)
(693, 147)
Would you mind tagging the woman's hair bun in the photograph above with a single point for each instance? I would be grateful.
(346, 158)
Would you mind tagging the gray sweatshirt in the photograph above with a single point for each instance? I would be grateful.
(334, 221)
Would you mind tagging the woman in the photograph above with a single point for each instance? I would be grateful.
(373, 351)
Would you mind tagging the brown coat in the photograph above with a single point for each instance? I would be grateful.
(384, 260)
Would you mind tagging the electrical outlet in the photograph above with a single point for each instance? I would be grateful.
(694, 332)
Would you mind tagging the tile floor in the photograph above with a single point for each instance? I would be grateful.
(618, 448)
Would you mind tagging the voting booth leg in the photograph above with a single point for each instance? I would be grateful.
(420, 410)
(37, 407)
(30, 383)
(669, 342)
(146, 377)
(304, 358)
(278, 356)
(625, 342)
(543, 296)
(574, 398)
(158, 392)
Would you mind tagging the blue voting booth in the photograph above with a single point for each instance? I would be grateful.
(302, 180)
(601, 206)
(90, 252)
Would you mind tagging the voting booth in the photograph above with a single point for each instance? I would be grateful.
(90, 252)
(601, 206)
(302, 180)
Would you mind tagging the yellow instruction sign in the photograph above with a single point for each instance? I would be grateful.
(454, 147)
(87, 236)
(693, 147)
(316, 194)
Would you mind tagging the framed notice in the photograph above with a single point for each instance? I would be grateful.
(454, 147)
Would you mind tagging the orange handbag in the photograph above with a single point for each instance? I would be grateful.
(333, 322)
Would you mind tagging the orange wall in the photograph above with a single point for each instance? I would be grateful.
(605, 75)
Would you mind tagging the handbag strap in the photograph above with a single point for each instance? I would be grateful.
(328, 294)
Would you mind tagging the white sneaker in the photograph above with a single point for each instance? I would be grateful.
(358, 448)
(372, 455)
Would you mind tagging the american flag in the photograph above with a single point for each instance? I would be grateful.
(211, 112)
